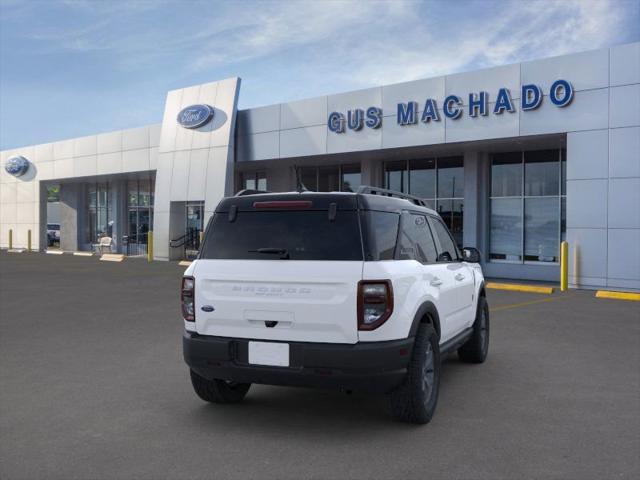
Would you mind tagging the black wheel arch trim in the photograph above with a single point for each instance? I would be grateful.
(427, 309)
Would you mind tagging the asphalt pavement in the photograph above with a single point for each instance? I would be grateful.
(93, 386)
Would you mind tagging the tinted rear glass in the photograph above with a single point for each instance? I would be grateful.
(381, 234)
(304, 235)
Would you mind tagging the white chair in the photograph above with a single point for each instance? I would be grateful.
(104, 242)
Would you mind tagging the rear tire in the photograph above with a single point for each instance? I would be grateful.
(475, 349)
(218, 391)
(415, 400)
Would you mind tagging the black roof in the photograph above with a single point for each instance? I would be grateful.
(321, 201)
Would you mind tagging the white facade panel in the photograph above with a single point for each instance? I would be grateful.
(624, 152)
(624, 106)
(85, 146)
(63, 149)
(587, 154)
(110, 142)
(63, 168)
(216, 185)
(395, 135)
(587, 111)
(625, 64)
(135, 160)
(624, 203)
(223, 123)
(169, 125)
(197, 174)
(585, 71)
(135, 138)
(352, 141)
(85, 166)
(109, 163)
(587, 203)
(468, 128)
(43, 153)
(259, 120)
(299, 142)
(45, 170)
(587, 255)
(342, 102)
(624, 254)
(154, 135)
(259, 146)
(489, 80)
(417, 90)
(304, 113)
(180, 176)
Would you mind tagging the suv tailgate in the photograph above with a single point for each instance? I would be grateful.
(286, 300)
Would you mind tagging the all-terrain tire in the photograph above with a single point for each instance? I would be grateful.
(475, 349)
(218, 391)
(415, 400)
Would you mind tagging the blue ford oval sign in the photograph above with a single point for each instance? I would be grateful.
(195, 116)
(16, 166)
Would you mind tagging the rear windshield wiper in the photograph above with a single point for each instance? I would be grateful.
(283, 252)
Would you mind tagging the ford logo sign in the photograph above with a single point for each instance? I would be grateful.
(195, 116)
(17, 166)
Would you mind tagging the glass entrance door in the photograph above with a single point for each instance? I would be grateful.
(140, 215)
(193, 229)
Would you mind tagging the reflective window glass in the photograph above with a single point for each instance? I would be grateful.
(448, 250)
(396, 176)
(422, 178)
(451, 212)
(506, 229)
(309, 178)
(541, 173)
(351, 178)
(328, 179)
(506, 175)
(450, 177)
(541, 226)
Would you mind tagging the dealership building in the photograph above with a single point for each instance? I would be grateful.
(515, 158)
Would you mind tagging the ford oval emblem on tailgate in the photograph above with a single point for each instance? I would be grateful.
(207, 308)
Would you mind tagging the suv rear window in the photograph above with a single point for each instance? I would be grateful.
(303, 235)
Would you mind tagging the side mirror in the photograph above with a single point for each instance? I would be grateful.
(471, 255)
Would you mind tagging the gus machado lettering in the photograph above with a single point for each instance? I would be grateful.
(560, 95)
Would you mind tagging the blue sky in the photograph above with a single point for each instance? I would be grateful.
(78, 67)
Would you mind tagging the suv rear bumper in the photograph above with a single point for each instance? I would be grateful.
(368, 367)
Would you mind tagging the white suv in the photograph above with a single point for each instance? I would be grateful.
(357, 291)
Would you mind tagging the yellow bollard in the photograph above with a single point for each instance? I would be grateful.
(29, 240)
(10, 239)
(150, 246)
(564, 266)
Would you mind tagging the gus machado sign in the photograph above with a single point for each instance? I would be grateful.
(560, 94)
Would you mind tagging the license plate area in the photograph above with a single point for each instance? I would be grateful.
(269, 353)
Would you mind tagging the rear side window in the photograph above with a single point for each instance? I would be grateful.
(302, 235)
(448, 249)
(380, 234)
(416, 242)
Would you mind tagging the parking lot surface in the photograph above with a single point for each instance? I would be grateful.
(93, 386)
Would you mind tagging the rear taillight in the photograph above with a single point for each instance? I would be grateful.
(375, 303)
(187, 297)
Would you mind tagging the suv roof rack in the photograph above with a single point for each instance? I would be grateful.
(369, 190)
(249, 191)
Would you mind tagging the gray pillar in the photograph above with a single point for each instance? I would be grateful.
(371, 172)
(69, 210)
(476, 184)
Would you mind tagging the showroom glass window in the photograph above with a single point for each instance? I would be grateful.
(331, 178)
(100, 212)
(527, 206)
(253, 181)
(139, 214)
(439, 181)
